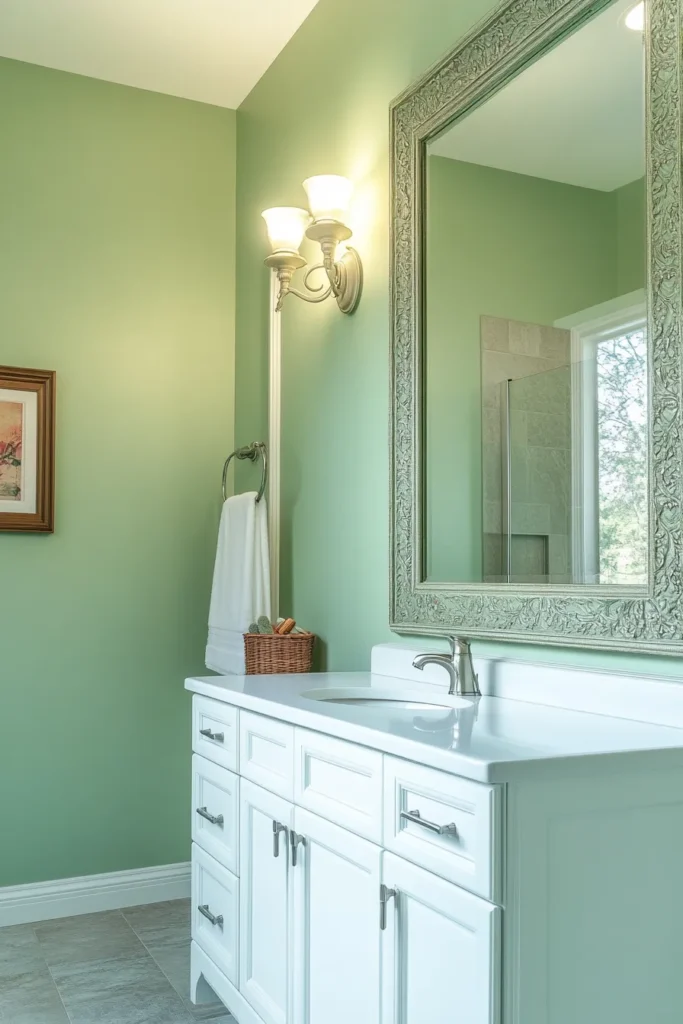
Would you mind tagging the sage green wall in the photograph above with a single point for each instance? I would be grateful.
(117, 271)
(630, 203)
(300, 121)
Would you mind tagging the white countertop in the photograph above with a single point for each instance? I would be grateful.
(494, 740)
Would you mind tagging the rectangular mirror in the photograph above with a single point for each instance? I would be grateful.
(537, 331)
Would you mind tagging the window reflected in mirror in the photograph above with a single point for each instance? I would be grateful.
(535, 349)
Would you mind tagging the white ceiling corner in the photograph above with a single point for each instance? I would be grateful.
(576, 116)
(213, 51)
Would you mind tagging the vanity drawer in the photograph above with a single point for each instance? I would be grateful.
(215, 811)
(214, 927)
(470, 852)
(267, 753)
(214, 731)
(339, 781)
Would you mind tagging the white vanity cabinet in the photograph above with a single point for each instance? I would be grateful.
(336, 950)
(533, 878)
(265, 929)
(331, 927)
(441, 950)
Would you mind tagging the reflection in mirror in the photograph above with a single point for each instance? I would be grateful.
(535, 341)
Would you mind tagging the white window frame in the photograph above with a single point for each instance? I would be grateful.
(588, 328)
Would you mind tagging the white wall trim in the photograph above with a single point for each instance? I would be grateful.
(65, 897)
(274, 421)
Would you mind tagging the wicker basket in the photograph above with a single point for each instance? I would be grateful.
(268, 653)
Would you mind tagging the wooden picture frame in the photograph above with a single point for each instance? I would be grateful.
(27, 450)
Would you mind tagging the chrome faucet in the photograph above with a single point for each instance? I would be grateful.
(458, 664)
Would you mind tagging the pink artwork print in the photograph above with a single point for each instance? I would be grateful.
(11, 437)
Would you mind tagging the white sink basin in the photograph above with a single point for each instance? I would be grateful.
(409, 700)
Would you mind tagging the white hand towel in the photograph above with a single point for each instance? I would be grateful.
(241, 581)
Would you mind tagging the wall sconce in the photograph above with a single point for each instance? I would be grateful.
(329, 196)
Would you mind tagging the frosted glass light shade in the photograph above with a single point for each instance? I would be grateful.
(635, 19)
(286, 227)
(329, 196)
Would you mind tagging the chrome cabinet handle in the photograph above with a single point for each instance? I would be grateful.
(203, 909)
(441, 830)
(278, 827)
(385, 894)
(295, 840)
(215, 819)
(217, 737)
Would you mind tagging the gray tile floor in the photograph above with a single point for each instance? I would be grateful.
(120, 967)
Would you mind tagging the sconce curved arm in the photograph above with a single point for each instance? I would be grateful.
(313, 294)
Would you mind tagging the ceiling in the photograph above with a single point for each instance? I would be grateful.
(575, 116)
(209, 50)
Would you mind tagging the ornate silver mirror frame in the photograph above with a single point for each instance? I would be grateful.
(618, 618)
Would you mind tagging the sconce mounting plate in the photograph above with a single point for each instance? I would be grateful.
(350, 280)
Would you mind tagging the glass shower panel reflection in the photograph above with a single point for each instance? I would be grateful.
(536, 479)
(565, 490)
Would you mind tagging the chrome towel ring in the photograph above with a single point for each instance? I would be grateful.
(251, 452)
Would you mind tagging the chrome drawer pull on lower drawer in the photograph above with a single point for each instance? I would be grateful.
(441, 830)
(217, 737)
(203, 909)
(215, 819)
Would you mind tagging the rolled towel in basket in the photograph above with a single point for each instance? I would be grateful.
(241, 581)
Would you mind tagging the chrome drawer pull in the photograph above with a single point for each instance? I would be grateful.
(217, 737)
(277, 829)
(203, 909)
(385, 895)
(215, 819)
(296, 839)
(441, 830)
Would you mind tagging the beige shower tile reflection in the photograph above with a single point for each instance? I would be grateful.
(525, 339)
(490, 425)
(556, 344)
(528, 517)
(492, 517)
(549, 429)
(559, 558)
(494, 333)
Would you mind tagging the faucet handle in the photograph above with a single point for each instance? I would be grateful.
(458, 645)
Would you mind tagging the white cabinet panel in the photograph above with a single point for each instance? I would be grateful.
(214, 731)
(469, 852)
(267, 753)
(336, 964)
(340, 781)
(440, 950)
(215, 811)
(215, 903)
(264, 903)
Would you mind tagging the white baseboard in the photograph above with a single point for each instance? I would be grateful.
(66, 897)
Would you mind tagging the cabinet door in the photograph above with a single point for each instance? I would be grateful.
(336, 969)
(440, 950)
(264, 902)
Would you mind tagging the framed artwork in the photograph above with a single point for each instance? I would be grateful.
(27, 450)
